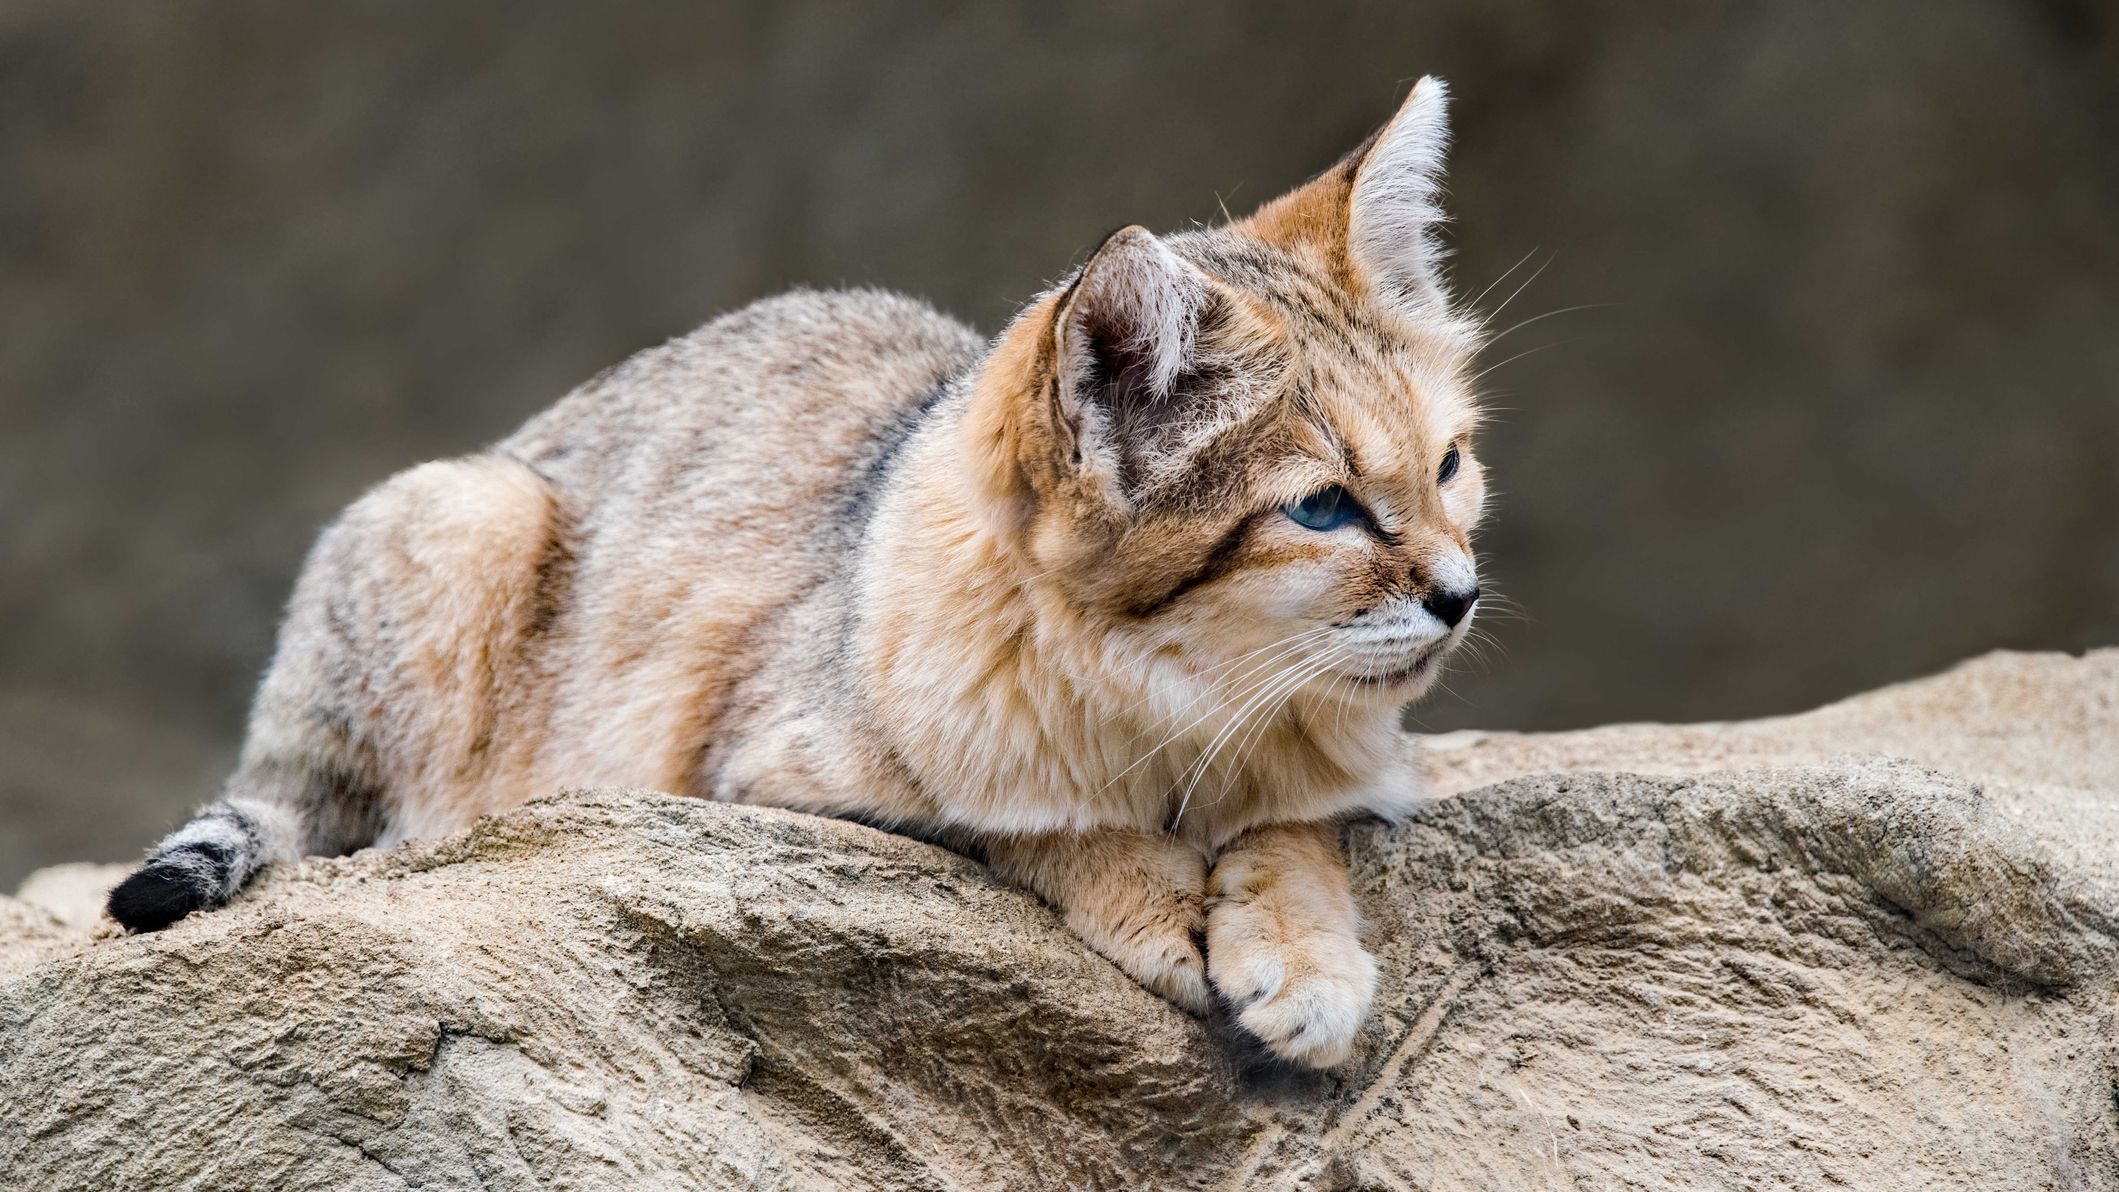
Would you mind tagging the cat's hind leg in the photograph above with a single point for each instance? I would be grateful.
(397, 665)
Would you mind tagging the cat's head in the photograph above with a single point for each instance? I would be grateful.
(1250, 447)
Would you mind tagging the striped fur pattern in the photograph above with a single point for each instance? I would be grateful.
(1063, 598)
(205, 862)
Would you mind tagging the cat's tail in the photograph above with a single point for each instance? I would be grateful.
(203, 864)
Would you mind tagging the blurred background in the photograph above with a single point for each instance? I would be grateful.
(1844, 408)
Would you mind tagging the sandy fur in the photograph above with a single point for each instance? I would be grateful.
(1036, 597)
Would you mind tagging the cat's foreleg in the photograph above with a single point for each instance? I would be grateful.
(1283, 943)
(1135, 897)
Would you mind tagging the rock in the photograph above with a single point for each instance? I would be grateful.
(72, 894)
(2039, 732)
(1751, 961)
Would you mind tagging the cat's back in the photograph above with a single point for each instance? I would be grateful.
(774, 399)
(706, 490)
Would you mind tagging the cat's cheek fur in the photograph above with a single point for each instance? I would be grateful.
(1464, 498)
(1301, 594)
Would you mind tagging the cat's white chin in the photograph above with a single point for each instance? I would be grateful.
(1406, 678)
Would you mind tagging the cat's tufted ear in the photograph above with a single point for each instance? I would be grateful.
(1379, 206)
(1122, 340)
(1085, 384)
(1396, 204)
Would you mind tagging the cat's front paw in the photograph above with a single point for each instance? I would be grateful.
(1150, 925)
(1138, 898)
(1301, 987)
(1163, 956)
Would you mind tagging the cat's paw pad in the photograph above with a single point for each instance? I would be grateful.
(1304, 995)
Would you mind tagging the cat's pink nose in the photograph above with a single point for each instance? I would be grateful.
(1450, 607)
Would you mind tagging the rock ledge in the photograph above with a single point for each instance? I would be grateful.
(1747, 955)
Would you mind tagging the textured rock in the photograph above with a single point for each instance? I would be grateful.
(1732, 971)
(2038, 732)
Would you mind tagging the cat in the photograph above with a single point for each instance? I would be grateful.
(1127, 601)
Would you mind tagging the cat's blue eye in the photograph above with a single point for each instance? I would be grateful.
(1325, 509)
(1449, 466)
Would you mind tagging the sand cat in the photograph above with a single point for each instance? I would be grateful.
(1126, 601)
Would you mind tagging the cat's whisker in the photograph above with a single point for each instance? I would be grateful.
(1508, 607)
(1500, 606)
(1288, 681)
(1475, 650)
(1518, 356)
(1316, 631)
(1442, 685)
(1495, 313)
(1330, 659)
(1214, 686)
(1289, 644)
(1565, 310)
(1223, 694)
(1487, 649)
(1258, 732)
(1253, 699)
(1262, 693)
(1344, 702)
(1481, 297)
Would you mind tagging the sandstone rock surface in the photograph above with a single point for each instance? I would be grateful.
(1874, 946)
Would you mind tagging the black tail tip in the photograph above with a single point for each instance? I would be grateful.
(156, 896)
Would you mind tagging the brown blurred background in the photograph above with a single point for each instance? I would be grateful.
(1848, 409)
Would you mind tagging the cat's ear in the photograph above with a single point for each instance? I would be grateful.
(1122, 340)
(1380, 206)
(1082, 388)
(1395, 207)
